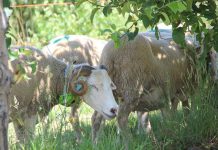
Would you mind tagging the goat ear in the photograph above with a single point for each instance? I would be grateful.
(79, 87)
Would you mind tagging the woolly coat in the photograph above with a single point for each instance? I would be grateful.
(142, 65)
(76, 48)
(31, 96)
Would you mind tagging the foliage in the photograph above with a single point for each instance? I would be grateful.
(18, 54)
(6, 4)
(196, 16)
(22, 55)
(37, 25)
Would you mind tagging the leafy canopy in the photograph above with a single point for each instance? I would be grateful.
(195, 16)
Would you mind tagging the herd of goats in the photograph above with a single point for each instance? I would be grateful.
(141, 75)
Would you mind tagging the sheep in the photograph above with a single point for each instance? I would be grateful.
(28, 97)
(77, 49)
(147, 73)
(143, 121)
(191, 42)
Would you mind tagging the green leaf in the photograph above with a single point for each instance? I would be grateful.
(116, 38)
(179, 36)
(21, 50)
(26, 77)
(129, 19)
(93, 14)
(189, 4)
(132, 35)
(136, 31)
(146, 21)
(156, 32)
(26, 52)
(13, 54)
(216, 42)
(209, 14)
(192, 19)
(32, 65)
(122, 30)
(69, 99)
(119, 10)
(6, 3)
(126, 8)
(8, 42)
(106, 30)
(113, 26)
(199, 37)
(166, 18)
(148, 12)
(107, 10)
(177, 6)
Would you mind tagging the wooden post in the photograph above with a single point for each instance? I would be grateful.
(5, 82)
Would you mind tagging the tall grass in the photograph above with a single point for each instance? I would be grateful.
(56, 133)
(198, 129)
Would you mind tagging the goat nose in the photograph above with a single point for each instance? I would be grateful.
(113, 110)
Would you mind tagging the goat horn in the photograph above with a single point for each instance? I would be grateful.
(83, 70)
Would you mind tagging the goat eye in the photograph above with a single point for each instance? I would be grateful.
(95, 87)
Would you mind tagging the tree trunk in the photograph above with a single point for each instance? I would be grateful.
(5, 82)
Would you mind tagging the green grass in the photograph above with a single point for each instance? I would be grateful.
(198, 129)
(58, 134)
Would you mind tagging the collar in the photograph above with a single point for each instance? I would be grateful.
(67, 99)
